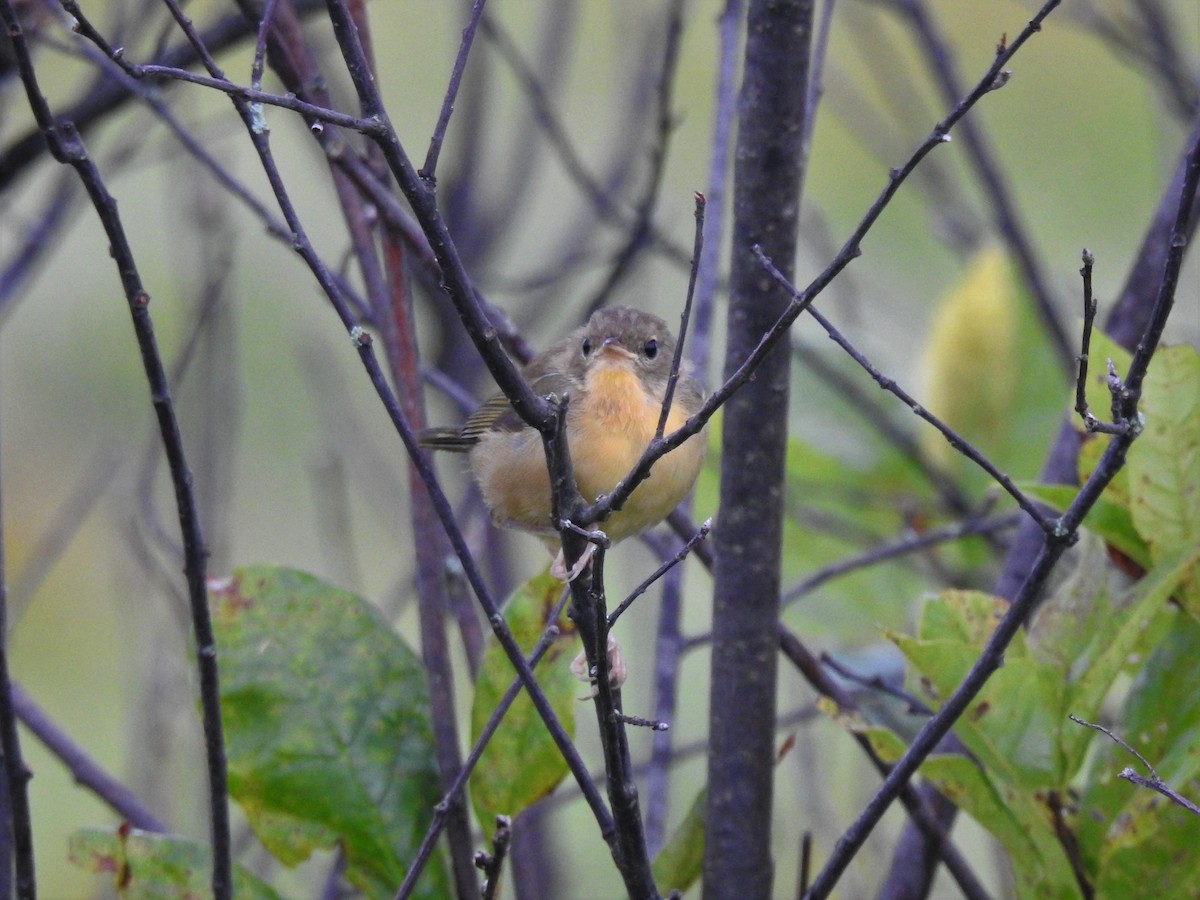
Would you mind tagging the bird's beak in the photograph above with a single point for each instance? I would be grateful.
(611, 348)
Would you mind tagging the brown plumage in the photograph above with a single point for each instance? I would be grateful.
(615, 370)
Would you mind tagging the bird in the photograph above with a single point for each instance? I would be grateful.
(614, 371)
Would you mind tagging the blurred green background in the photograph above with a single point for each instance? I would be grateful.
(295, 462)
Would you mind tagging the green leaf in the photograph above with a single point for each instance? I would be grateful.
(326, 725)
(1019, 819)
(1164, 462)
(1142, 843)
(680, 862)
(966, 616)
(521, 763)
(1068, 618)
(1124, 634)
(1017, 728)
(1013, 725)
(1017, 816)
(147, 866)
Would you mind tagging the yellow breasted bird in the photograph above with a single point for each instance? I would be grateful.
(615, 370)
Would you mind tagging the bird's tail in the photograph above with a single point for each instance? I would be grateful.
(446, 438)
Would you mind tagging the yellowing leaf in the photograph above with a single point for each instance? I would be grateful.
(145, 866)
(521, 763)
(970, 375)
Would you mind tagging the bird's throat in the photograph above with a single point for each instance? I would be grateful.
(617, 399)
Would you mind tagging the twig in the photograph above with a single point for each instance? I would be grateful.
(1089, 316)
(18, 829)
(68, 149)
(919, 812)
(899, 547)
(1054, 544)
(668, 642)
(728, 25)
(1090, 422)
(700, 535)
(1069, 842)
(640, 722)
(816, 81)
(430, 549)
(989, 174)
(493, 864)
(260, 43)
(452, 795)
(683, 526)
(85, 770)
(957, 441)
(588, 612)
(639, 233)
(311, 111)
(849, 251)
(684, 318)
(429, 170)
(1153, 782)
(805, 862)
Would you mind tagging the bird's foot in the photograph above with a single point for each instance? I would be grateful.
(617, 671)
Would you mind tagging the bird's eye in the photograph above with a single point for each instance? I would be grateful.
(587, 347)
(651, 348)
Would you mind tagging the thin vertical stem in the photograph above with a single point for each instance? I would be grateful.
(768, 175)
(19, 822)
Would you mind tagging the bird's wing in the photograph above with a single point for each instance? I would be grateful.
(497, 414)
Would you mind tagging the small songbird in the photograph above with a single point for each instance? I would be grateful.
(614, 370)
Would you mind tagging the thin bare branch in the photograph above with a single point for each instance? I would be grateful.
(429, 170)
(1054, 544)
(1153, 782)
(67, 148)
(84, 770)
